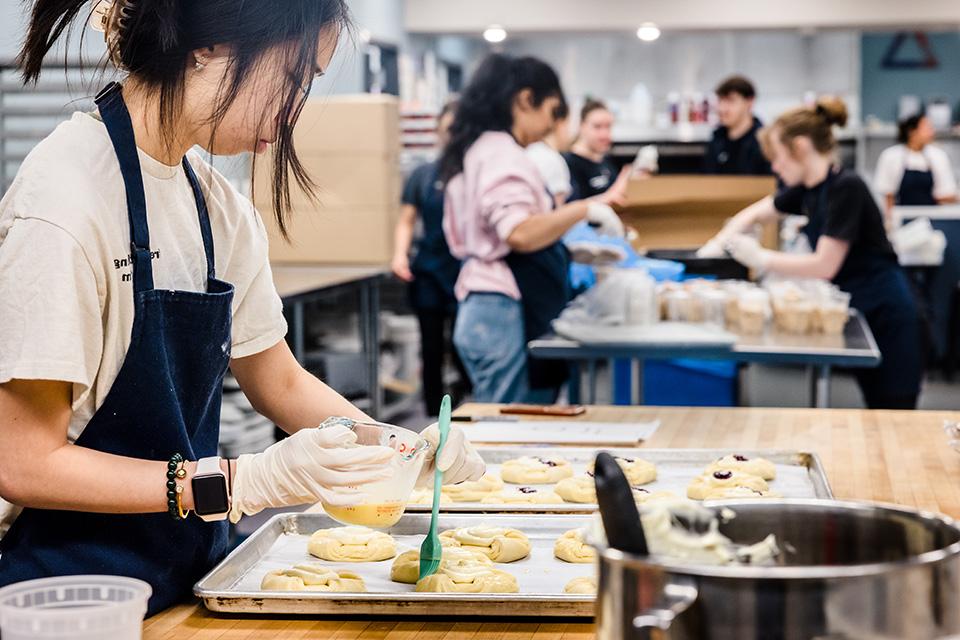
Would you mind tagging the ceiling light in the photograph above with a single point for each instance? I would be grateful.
(494, 34)
(648, 32)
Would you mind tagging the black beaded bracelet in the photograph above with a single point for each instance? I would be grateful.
(175, 471)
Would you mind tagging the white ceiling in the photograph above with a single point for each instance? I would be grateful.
(470, 16)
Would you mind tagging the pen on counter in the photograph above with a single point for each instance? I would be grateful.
(484, 419)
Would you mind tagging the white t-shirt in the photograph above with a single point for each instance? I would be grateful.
(66, 295)
(898, 158)
(552, 167)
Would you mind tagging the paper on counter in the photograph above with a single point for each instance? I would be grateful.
(561, 432)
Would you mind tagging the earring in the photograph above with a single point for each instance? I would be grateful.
(200, 64)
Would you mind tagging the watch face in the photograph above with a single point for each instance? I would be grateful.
(210, 495)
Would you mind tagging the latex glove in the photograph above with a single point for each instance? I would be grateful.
(458, 461)
(312, 465)
(748, 252)
(605, 219)
(712, 249)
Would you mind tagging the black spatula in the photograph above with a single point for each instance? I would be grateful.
(621, 519)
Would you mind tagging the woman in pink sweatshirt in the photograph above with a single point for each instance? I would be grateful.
(498, 220)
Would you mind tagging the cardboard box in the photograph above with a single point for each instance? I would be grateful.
(684, 211)
(350, 146)
(343, 181)
(335, 236)
(352, 124)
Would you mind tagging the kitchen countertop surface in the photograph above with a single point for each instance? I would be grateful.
(885, 456)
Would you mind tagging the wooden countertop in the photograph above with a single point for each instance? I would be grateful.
(886, 456)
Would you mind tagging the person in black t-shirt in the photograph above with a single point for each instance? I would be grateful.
(592, 174)
(850, 246)
(734, 148)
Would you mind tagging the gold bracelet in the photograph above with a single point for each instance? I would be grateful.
(181, 474)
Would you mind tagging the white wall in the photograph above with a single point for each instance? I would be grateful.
(783, 64)
(463, 16)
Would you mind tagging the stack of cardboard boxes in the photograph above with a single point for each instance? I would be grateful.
(350, 146)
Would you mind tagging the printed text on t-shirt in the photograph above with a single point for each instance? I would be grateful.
(122, 263)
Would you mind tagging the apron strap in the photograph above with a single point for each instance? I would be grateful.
(203, 214)
(115, 116)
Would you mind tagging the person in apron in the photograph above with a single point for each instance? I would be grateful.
(915, 172)
(499, 221)
(431, 274)
(116, 471)
(850, 247)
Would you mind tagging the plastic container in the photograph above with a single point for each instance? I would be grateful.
(74, 608)
(753, 308)
(383, 502)
(833, 312)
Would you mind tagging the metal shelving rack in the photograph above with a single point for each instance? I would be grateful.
(29, 113)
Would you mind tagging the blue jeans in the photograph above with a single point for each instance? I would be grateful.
(489, 336)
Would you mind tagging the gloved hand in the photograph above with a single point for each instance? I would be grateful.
(712, 249)
(748, 252)
(605, 219)
(315, 464)
(458, 461)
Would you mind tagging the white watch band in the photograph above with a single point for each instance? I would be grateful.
(208, 466)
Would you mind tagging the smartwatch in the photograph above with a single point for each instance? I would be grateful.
(210, 499)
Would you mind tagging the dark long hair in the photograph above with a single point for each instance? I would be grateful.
(155, 38)
(487, 103)
(907, 126)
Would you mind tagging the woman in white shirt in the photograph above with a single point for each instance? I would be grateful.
(133, 275)
(915, 172)
(548, 156)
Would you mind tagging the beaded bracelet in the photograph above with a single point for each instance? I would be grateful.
(176, 471)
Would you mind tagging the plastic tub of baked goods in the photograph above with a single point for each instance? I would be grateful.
(832, 312)
(383, 502)
(74, 608)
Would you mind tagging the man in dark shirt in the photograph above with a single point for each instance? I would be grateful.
(734, 149)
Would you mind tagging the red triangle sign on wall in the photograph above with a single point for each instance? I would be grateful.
(927, 60)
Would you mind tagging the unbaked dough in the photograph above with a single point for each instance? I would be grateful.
(754, 466)
(468, 576)
(351, 544)
(500, 544)
(704, 484)
(637, 470)
(581, 489)
(535, 470)
(523, 495)
(472, 490)
(312, 576)
(739, 493)
(406, 568)
(645, 496)
(582, 586)
(570, 547)
(425, 496)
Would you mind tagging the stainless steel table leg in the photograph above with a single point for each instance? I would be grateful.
(592, 381)
(299, 340)
(822, 387)
(370, 335)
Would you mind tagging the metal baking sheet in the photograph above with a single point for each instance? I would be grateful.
(799, 474)
(234, 585)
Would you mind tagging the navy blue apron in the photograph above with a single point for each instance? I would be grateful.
(916, 188)
(165, 400)
(544, 283)
(435, 270)
(881, 291)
